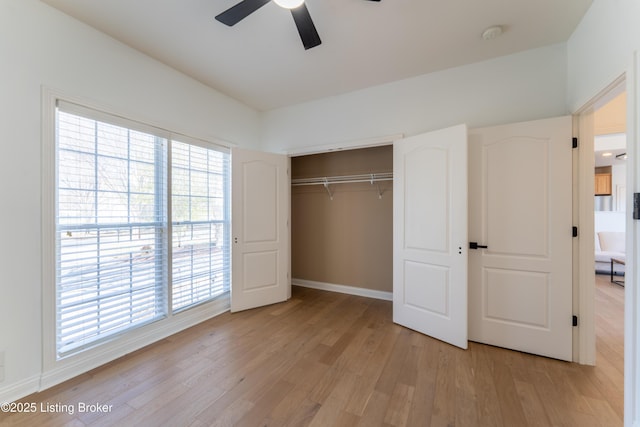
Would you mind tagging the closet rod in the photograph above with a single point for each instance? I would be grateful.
(370, 178)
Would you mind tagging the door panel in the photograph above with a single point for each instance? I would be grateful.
(430, 234)
(260, 213)
(260, 270)
(520, 286)
(515, 297)
(426, 287)
(426, 165)
(260, 255)
(517, 174)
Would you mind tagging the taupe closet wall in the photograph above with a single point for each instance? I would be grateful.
(347, 240)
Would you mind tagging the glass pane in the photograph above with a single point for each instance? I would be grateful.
(76, 206)
(113, 174)
(111, 220)
(200, 243)
(76, 170)
(142, 177)
(75, 133)
(113, 141)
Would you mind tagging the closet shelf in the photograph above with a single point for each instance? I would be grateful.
(372, 178)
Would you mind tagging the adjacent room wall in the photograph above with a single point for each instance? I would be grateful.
(347, 240)
(41, 47)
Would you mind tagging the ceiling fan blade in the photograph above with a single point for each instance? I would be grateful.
(307, 30)
(237, 13)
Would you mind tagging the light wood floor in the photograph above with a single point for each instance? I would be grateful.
(328, 359)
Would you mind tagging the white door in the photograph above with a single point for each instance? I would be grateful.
(520, 201)
(260, 236)
(430, 234)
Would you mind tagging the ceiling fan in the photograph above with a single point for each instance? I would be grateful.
(299, 11)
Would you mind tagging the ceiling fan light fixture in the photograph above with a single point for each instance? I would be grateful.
(289, 4)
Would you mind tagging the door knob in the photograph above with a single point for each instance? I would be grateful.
(475, 245)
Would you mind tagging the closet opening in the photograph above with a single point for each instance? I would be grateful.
(342, 221)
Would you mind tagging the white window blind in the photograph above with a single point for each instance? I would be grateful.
(200, 217)
(113, 226)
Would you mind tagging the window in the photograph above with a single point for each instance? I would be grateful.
(200, 224)
(125, 193)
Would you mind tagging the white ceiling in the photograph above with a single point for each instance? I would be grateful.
(261, 61)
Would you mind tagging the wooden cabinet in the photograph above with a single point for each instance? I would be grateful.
(603, 182)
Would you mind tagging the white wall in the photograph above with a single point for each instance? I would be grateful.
(525, 86)
(609, 221)
(40, 46)
(619, 186)
(600, 49)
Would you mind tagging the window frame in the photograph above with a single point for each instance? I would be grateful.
(57, 368)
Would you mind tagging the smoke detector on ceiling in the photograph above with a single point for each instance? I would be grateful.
(492, 32)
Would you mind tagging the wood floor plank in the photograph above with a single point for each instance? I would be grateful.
(466, 395)
(371, 372)
(553, 400)
(425, 388)
(487, 403)
(263, 406)
(346, 419)
(373, 414)
(328, 359)
(604, 413)
(444, 404)
(328, 413)
(394, 364)
(510, 406)
(297, 399)
(399, 405)
(532, 406)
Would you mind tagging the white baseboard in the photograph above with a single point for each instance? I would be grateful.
(20, 389)
(343, 289)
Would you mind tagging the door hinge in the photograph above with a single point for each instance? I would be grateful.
(575, 321)
(574, 231)
(574, 142)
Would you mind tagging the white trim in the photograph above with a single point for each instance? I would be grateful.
(343, 289)
(584, 281)
(47, 210)
(349, 145)
(20, 389)
(631, 294)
